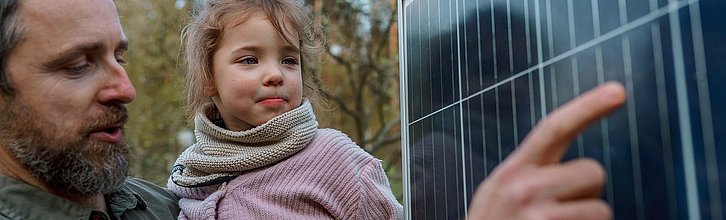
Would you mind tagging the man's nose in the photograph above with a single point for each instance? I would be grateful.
(118, 88)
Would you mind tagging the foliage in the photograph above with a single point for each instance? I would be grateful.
(154, 66)
(359, 76)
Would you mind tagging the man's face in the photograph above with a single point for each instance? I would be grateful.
(66, 122)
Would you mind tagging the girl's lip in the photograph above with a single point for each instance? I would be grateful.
(272, 102)
(263, 99)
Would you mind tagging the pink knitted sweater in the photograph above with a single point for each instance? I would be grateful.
(331, 178)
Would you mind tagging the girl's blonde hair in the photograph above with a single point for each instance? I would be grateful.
(204, 32)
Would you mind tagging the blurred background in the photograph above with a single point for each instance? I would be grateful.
(359, 80)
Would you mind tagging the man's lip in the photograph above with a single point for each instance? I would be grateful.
(110, 134)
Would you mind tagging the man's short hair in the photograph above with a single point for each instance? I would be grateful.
(10, 36)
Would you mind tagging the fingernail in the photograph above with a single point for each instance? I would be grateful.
(613, 91)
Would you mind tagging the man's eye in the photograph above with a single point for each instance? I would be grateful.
(289, 61)
(248, 61)
(120, 58)
(78, 69)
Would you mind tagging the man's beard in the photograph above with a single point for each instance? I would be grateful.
(67, 161)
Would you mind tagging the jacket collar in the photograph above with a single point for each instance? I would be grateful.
(22, 201)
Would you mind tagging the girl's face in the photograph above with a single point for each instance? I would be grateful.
(257, 74)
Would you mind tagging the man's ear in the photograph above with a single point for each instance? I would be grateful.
(4, 100)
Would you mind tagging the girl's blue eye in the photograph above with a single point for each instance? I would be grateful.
(289, 61)
(248, 61)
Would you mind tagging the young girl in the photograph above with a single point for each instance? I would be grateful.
(259, 153)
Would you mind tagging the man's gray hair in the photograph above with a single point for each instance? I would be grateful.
(11, 34)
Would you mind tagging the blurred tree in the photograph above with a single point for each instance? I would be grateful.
(359, 78)
(157, 118)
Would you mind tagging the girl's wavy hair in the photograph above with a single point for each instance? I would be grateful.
(204, 32)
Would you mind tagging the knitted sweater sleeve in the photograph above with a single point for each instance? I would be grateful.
(376, 199)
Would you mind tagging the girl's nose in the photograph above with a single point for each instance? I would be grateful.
(273, 77)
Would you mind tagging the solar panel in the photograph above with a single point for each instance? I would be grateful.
(478, 74)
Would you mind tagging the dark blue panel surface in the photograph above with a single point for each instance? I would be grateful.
(437, 175)
(482, 73)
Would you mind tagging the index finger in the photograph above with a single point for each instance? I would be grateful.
(549, 140)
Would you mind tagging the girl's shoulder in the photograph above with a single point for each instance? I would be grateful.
(336, 145)
(332, 137)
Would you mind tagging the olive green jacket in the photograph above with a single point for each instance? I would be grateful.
(134, 199)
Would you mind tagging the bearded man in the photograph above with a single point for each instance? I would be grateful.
(62, 113)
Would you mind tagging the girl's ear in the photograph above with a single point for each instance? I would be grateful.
(210, 90)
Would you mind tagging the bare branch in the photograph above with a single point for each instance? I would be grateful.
(393, 159)
(385, 142)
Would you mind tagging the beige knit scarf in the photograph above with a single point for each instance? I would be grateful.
(220, 154)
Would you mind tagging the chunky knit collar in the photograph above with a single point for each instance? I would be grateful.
(219, 154)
